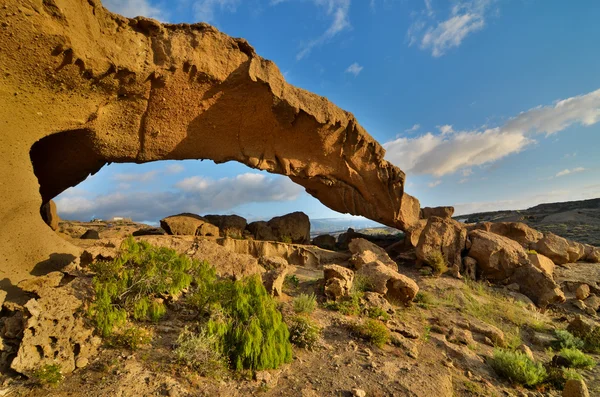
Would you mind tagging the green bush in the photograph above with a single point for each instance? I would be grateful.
(293, 281)
(132, 337)
(518, 368)
(424, 299)
(436, 260)
(558, 376)
(373, 331)
(305, 303)
(304, 332)
(361, 284)
(577, 359)
(531, 252)
(50, 374)
(377, 313)
(248, 326)
(347, 305)
(199, 351)
(286, 239)
(565, 340)
(131, 283)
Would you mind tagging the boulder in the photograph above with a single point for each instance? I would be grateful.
(90, 234)
(396, 287)
(149, 231)
(537, 285)
(497, 256)
(469, 268)
(575, 388)
(345, 238)
(441, 212)
(325, 241)
(543, 263)
(49, 215)
(273, 262)
(583, 327)
(446, 236)
(229, 225)
(582, 292)
(593, 302)
(559, 249)
(591, 254)
(188, 225)
(414, 233)
(364, 252)
(260, 230)
(338, 281)
(293, 228)
(370, 300)
(273, 280)
(517, 231)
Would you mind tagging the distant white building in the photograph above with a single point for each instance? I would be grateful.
(119, 219)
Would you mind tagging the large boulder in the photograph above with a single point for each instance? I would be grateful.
(49, 215)
(517, 231)
(260, 230)
(90, 234)
(537, 285)
(325, 241)
(413, 234)
(446, 236)
(591, 254)
(364, 252)
(345, 238)
(188, 225)
(229, 225)
(559, 249)
(294, 228)
(338, 281)
(543, 263)
(441, 212)
(396, 287)
(497, 256)
(136, 90)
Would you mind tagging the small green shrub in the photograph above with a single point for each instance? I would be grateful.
(424, 299)
(286, 239)
(305, 303)
(131, 336)
(518, 368)
(577, 359)
(361, 284)
(558, 376)
(532, 252)
(377, 313)
(50, 374)
(436, 260)
(347, 305)
(199, 351)
(293, 281)
(563, 339)
(304, 332)
(373, 331)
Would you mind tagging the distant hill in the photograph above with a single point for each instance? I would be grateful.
(331, 225)
(576, 220)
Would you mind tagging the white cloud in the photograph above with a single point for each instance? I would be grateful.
(434, 183)
(467, 172)
(570, 171)
(413, 128)
(336, 9)
(445, 129)
(136, 177)
(465, 18)
(205, 10)
(355, 69)
(174, 168)
(447, 153)
(196, 194)
(134, 8)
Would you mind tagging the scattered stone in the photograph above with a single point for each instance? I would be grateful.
(373, 299)
(458, 335)
(273, 280)
(543, 263)
(593, 302)
(497, 256)
(90, 234)
(394, 286)
(592, 254)
(445, 236)
(579, 304)
(516, 231)
(37, 284)
(575, 388)
(187, 224)
(325, 241)
(403, 329)
(538, 285)
(583, 327)
(582, 292)
(338, 281)
(364, 252)
(273, 262)
(358, 392)
(559, 249)
(492, 332)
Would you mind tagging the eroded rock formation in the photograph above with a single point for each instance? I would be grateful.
(82, 87)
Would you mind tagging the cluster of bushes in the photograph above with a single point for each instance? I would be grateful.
(304, 332)
(519, 368)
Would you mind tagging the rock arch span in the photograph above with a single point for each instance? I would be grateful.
(84, 87)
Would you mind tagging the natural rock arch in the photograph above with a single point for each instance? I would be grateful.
(83, 87)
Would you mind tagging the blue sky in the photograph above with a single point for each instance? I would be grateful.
(485, 104)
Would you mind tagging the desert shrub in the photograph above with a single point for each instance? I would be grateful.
(248, 326)
(518, 368)
(50, 374)
(558, 376)
(577, 359)
(304, 332)
(592, 341)
(347, 305)
(531, 251)
(132, 282)
(437, 262)
(361, 284)
(292, 281)
(305, 303)
(286, 239)
(373, 331)
(424, 299)
(199, 351)
(131, 336)
(377, 313)
(563, 339)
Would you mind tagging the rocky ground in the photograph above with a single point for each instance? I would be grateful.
(442, 339)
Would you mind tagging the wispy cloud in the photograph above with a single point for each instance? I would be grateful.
(443, 154)
(570, 171)
(354, 69)
(445, 129)
(205, 10)
(134, 8)
(414, 128)
(196, 194)
(434, 183)
(338, 11)
(438, 37)
(174, 168)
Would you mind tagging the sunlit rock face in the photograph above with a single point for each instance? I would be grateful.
(82, 87)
